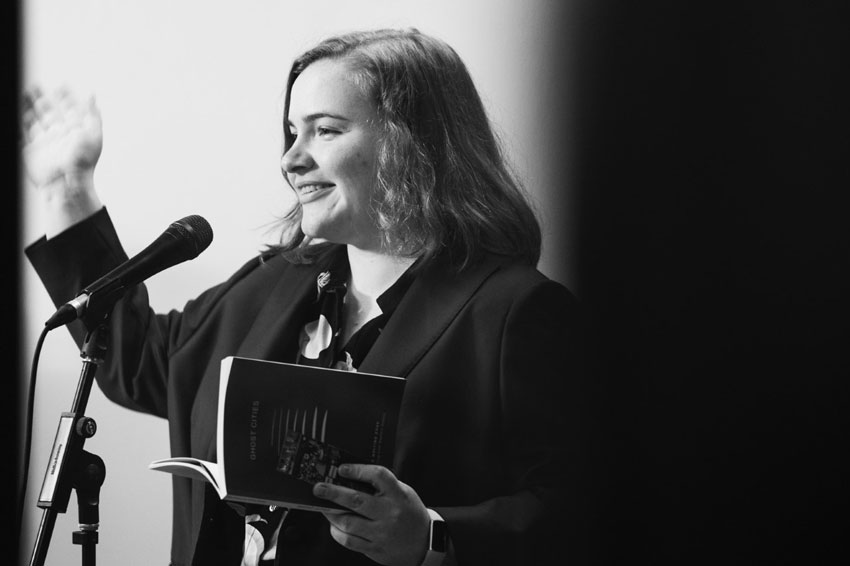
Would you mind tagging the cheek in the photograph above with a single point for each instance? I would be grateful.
(359, 169)
(361, 161)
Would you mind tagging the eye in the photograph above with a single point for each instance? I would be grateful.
(324, 131)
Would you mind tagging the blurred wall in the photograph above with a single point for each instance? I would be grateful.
(191, 98)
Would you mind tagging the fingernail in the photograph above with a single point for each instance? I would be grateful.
(320, 489)
(344, 469)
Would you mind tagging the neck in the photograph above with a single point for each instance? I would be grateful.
(373, 272)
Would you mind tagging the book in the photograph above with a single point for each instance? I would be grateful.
(283, 427)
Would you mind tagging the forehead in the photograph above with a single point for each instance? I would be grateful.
(328, 87)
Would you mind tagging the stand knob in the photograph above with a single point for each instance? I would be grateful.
(86, 427)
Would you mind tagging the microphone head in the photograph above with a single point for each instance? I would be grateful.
(195, 231)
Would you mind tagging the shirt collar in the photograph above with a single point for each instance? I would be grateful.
(389, 299)
(337, 264)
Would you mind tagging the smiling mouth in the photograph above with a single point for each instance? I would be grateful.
(314, 191)
(312, 188)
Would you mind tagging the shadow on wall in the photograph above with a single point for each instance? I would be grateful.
(711, 263)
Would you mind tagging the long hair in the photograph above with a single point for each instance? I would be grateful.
(443, 188)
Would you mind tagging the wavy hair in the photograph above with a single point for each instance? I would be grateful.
(443, 188)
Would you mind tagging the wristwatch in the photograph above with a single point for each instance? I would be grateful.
(438, 540)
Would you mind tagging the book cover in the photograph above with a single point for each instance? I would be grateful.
(283, 427)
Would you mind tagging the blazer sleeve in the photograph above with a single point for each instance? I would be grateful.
(543, 434)
(139, 341)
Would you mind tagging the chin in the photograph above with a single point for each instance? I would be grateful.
(317, 232)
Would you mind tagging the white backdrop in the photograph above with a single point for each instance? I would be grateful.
(191, 97)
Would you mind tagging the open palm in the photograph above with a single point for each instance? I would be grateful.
(61, 136)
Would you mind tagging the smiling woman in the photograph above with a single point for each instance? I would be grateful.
(332, 160)
(442, 186)
(411, 252)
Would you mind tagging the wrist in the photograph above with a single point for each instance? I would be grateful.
(438, 540)
(68, 200)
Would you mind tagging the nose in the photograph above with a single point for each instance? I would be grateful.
(296, 158)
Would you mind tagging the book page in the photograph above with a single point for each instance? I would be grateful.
(224, 378)
(191, 468)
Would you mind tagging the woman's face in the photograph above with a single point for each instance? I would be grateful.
(332, 163)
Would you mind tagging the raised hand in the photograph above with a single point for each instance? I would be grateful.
(62, 137)
(62, 141)
(390, 527)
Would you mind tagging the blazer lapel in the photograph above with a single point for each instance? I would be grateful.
(276, 323)
(434, 299)
(427, 309)
(274, 326)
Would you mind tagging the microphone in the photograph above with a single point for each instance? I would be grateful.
(185, 239)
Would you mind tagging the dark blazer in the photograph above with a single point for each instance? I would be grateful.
(488, 355)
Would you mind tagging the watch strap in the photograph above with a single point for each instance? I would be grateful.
(438, 540)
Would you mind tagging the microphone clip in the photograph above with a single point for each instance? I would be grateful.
(91, 308)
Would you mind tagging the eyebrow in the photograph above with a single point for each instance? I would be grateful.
(316, 115)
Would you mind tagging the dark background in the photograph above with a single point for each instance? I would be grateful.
(711, 259)
(9, 305)
(712, 155)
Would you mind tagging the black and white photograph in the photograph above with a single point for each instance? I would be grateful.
(595, 248)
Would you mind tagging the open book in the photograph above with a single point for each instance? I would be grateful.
(283, 427)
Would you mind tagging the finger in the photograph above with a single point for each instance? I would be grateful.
(56, 108)
(90, 110)
(29, 113)
(351, 524)
(27, 101)
(28, 121)
(50, 121)
(43, 107)
(31, 126)
(76, 111)
(379, 477)
(46, 113)
(68, 109)
(350, 541)
(29, 97)
(352, 499)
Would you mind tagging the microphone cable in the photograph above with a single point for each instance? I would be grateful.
(28, 431)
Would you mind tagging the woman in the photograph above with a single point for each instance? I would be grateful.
(405, 201)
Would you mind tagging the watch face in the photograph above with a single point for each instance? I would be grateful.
(439, 536)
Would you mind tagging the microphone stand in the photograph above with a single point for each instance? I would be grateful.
(71, 467)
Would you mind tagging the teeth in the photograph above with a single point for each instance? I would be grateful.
(310, 188)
